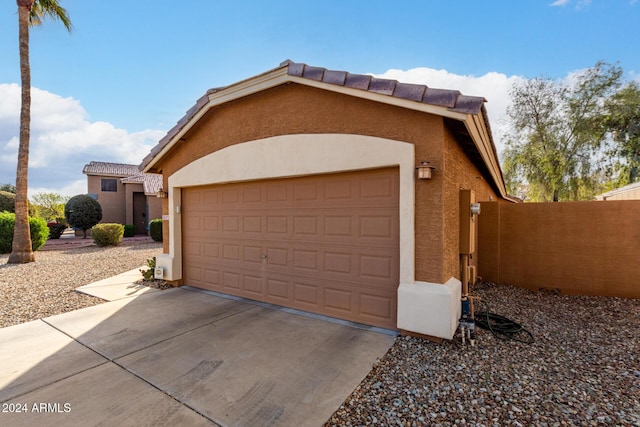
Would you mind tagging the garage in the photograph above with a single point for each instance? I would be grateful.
(327, 244)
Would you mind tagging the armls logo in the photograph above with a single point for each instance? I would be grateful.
(51, 407)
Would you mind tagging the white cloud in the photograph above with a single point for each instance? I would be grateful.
(580, 4)
(63, 141)
(492, 86)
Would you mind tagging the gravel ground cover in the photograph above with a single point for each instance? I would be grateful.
(583, 369)
(47, 287)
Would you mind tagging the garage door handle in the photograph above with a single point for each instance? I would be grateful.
(264, 256)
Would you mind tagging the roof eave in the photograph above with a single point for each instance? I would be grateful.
(268, 80)
(474, 120)
(476, 125)
(212, 98)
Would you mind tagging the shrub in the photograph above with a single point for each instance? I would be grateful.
(155, 229)
(39, 232)
(82, 212)
(7, 201)
(149, 272)
(129, 230)
(37, 227)
(107, 234)
(56, 229)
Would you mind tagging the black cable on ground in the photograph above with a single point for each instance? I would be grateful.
(503, 328)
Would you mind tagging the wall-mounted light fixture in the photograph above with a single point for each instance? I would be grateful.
(424, 170)
(161, 194)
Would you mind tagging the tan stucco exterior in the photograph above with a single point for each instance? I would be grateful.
(298, 120)
(112, 203)
(117, 206)
(586, 248)
(294, 109)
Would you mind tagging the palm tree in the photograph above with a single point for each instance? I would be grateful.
(30, 13)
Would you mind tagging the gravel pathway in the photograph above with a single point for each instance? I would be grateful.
(583, 369)
(47, 287)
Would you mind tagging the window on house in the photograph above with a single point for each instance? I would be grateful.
(108, 184)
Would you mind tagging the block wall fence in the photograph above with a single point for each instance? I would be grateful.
(583, 248)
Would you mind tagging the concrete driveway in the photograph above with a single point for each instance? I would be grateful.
(181, 357)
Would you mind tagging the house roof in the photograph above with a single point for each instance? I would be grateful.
(451, 99)
(151, 182)
(128, 174)
(620, 190)
(450, 104)
(110, 169)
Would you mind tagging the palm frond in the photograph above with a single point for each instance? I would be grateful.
(49, 9)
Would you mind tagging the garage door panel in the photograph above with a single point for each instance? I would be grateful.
(230, 280)
(277, 225)
(252, 255)
(306, 260)
(253, 224)
(252, 195)
(338, 300)
(331, 242)
(376, 305)
(253, 285)
(278, 290)
(307, 294)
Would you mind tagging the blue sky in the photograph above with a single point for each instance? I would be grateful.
(129, 70)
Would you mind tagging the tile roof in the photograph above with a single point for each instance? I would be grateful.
(151, 182)
(128, 174)
(110, 169)
(451, 99)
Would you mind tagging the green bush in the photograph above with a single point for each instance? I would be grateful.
(155, 229)
(7, 201)
(39, 232)
(107, 234)
(56, 229)
(129, 230)
(37, 227)
(82, 212)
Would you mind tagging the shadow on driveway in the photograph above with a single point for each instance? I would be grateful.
(181, 357)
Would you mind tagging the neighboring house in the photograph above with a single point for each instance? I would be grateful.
(298, 187)
(126, 195)
(628, 192)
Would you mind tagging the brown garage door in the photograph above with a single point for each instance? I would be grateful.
(327, 244)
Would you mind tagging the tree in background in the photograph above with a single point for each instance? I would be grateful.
(9, 188)
(82, 212)
(624, 123)
(30, 13)
(7, 202)
(558, 129)
(50, 206)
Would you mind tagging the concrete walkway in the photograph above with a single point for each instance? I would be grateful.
(180, 357)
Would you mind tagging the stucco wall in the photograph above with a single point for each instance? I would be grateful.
(128, 208)
(155, 207)
(587, 248)
(293, 109)
(112, 203)
(459, 173)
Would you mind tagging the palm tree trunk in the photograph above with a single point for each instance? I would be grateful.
(21, 251)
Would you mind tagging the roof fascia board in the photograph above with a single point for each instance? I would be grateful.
(480, 137)
(378, 97)
(230, 93)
